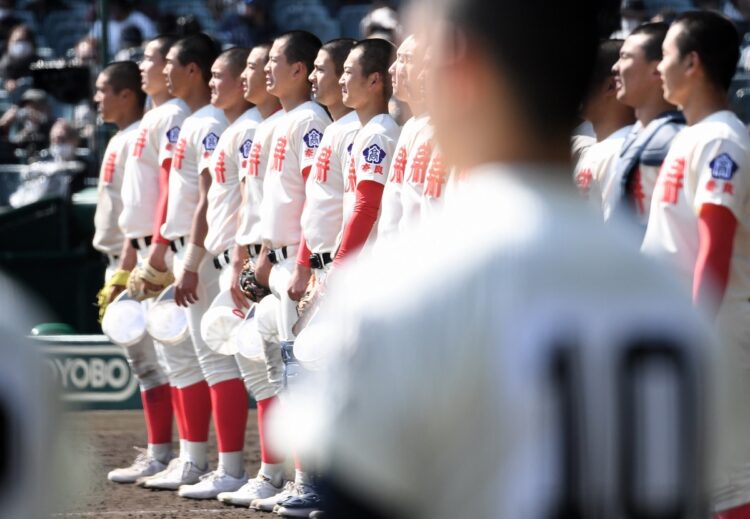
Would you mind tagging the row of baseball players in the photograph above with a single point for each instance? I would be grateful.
(235, 162)
(671, 158)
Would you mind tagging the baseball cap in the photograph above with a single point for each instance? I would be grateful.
(165, 321)
(220, 322)
(124, 322)
(248, 339)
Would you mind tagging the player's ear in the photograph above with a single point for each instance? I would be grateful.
(691, 61)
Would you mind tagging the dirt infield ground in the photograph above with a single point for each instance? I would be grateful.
(106, 439)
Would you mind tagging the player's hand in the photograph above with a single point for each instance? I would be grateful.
(263, 268)
(116, 291)
(186, 289)
(298, 282)
(239, 299)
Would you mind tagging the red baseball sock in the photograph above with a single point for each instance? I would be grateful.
(740, 512)
(196, 404)
(157, 408)
(179, 412)
(229, 402)
(266, 454)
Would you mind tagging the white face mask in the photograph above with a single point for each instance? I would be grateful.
(20, 49)
(62, 152)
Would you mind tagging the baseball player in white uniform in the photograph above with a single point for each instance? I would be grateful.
(699, 225)
(324, 191)
(496, 373)
(254, 153)
(594, 173)
(186, 75)
(295, 140)
(642, 154)
(404, 73)
(120, 101)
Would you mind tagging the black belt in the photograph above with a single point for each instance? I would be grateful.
(218, 260)
(136, 245)
(254, 250)
(177, 245)
(320, 259)
(274, 258)
(109, 258)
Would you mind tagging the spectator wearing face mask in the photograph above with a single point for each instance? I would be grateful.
(63, 141)
(19, 54)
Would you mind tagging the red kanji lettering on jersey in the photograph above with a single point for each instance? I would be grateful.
(140, 143)
(109, 168)
(179, 153)
(728, 188)
(639, 196)
(309, 152)
(399, 165)
(220, 169)
(420, 163)
(673, 181)
(253, 168)
(710, 186)
(323, 164)
(365, 167)
(351, 179)
(378, 169)
(435, 178)
(279, 153)
(583, 181)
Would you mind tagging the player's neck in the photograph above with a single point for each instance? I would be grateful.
(371, 109)
(703, 102)
(295, 99)
(338, 110)
(417, 108)
(160, 98)
(653, 108)
(198, 97)
(233, 112)
(128, 119)
(269, 106)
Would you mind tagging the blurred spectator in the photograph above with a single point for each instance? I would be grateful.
(85, 51)
(27, 126)
(63, 141)
(665, 15)
(179, 26)
(632, 14)
(245, 24)
(132, 39)
(19, 54)
(122, 15)
(8, 20)
(381, 22)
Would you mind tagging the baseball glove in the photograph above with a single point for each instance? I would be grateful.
(137, 288)
(118, 279)
(249, 285)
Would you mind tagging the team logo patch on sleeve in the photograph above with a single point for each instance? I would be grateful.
(723, 167)
(312, 138)
(245, 148)
(173, 134)
(374, 154)
(210, 141)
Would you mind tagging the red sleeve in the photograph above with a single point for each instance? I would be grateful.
(716, 229)
(161, 206)
(303, 254)
(357, 229)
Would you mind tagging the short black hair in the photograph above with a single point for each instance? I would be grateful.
(236, 59)
(164, 42)
(301, 46)
(377, 57)
(338, 50)
(715, 39)
(545, 50)
(655, 32)
(200, 49)
(606, 57)
(125, 75)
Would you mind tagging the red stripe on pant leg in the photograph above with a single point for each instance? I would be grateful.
(264, 406)
(229, 401)
(157, 408)
(179, 412)
(740, 512)
(196, 404)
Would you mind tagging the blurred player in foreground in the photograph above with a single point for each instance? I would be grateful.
(699, 219)
(483, 367)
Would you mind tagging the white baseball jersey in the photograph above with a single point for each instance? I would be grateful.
(108, 237)
(595, 175)
(295, 139)
(372, 153)
(224, 196)
(155, 143)
(417, 163)
(321, 218)
(390, 206)
(435, 184)
(520, 371)
(253, 172)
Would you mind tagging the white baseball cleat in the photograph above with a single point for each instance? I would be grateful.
(318, 514)
(212, 484)
(268, 504)
(299, 506)
(179, 472)
(144, 465)
(260, 487)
